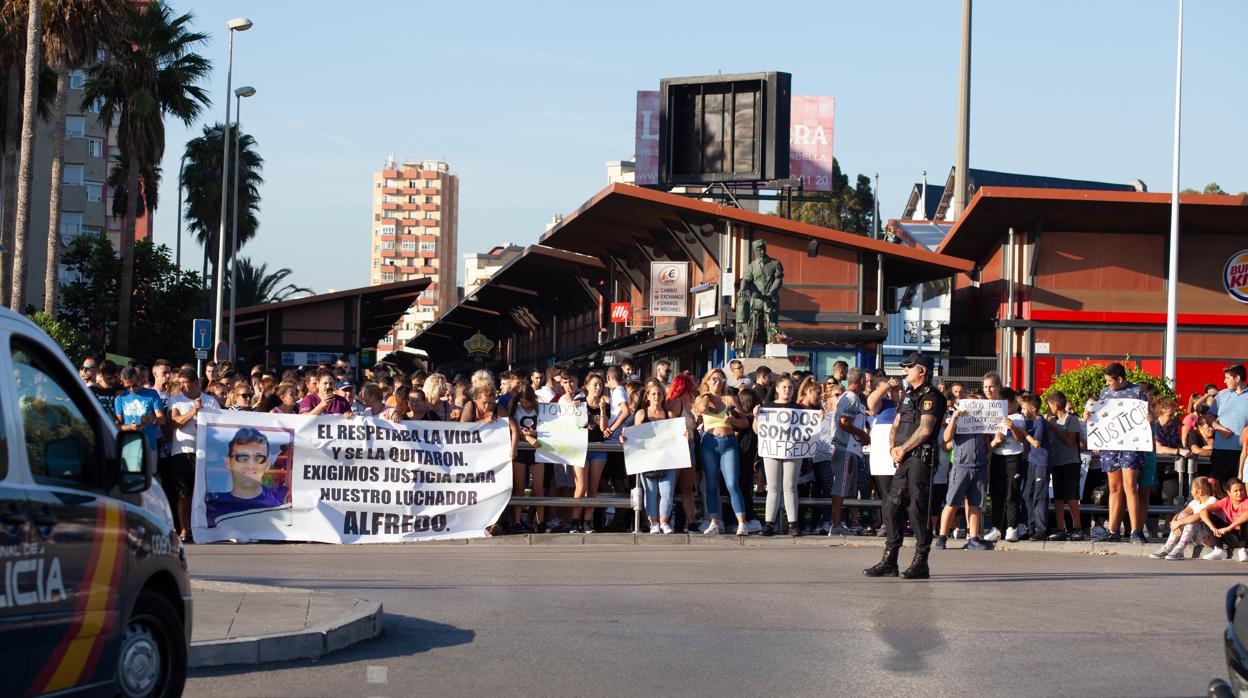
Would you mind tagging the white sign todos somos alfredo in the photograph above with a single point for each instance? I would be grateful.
(669, 289)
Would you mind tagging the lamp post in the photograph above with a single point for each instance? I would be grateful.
(237, 24)
(214, 133)
(1170, 357)
(244, 91)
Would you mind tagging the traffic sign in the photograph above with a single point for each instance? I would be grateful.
(201, 335)
(201, 354)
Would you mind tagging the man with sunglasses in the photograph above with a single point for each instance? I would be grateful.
(87, 371)
(248, 461)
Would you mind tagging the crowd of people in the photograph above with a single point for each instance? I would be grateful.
(1029, 479)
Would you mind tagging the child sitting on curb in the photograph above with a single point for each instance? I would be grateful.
(1186, 526)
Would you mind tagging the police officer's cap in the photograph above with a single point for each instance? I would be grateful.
(919, 359)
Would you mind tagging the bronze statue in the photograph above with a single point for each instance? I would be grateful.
(758, 297)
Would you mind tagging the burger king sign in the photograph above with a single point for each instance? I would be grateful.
(1235, 276)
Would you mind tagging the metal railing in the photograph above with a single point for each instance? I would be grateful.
(626, 502)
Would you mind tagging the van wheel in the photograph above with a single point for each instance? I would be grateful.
(152, 658)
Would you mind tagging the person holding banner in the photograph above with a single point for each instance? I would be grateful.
(720, 415)
(523, 406)
(483, 407)
(589, 475)
(914, 440)
(1122, 467)
(848, 437)
(680, 404)
(659, 485)
(781, 473)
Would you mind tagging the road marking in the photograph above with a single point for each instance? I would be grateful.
(376, 674)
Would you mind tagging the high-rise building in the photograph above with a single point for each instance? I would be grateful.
(414, 235)
(480, 266)
(86, 200)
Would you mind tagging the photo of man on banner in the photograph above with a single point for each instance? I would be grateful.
(251, 475)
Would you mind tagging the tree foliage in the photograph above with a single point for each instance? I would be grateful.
(849, 207)
(1085, 383)
(257, 285)
(202, 179)
(148, 72)
(1211, 188)
(164, 303)
(73, 342)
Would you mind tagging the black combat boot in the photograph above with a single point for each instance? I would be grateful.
(918, 568)
(886, 567)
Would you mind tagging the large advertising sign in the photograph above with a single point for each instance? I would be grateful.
(810, 140)
(1235, 276)
(669, 289)
(646, 145)
(328, 479)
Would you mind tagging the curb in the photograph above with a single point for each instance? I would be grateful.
(809, 541)
(363, 622)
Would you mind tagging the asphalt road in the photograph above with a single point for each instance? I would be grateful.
(772, 620)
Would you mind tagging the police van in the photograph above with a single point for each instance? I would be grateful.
(94, 594)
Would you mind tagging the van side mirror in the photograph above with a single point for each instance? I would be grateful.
(134, 477)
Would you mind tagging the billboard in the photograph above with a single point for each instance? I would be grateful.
(646, 145)
(810, 140)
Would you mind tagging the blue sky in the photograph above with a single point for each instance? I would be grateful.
(527, 105)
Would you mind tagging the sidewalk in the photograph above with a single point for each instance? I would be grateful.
(251, 624)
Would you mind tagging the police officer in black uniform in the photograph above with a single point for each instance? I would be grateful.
(913, 444)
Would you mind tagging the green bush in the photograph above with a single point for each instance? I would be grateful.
(1085, 383)
(73, 342)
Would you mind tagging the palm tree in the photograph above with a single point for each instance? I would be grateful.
(12, 61)
(26, 161)
(202, 180)
(149, 72)
(71, 37)
(149, 185)
(256, 285)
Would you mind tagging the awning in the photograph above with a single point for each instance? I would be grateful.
(655, 345)
(329, 319)
(626, 217)
(995, 210)
(834, 337)
(519, 298)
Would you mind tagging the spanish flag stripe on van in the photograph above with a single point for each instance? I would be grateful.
(76, 653)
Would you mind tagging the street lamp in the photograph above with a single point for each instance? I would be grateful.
(237, 24)
(214, 133)
(244, 91)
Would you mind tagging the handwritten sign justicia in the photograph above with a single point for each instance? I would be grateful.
(1119, 424)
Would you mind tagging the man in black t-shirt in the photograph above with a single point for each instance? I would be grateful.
(914, 444)
(107, 387)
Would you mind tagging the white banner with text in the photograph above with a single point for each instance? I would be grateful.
(1119, 424)
(331, 479)
(787, 434)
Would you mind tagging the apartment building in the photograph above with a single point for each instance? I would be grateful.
(480, 266)
(86, 202)
(415, 229)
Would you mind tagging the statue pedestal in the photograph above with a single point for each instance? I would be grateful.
(776, 351)
(776, 364)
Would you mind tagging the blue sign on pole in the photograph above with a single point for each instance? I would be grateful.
(201, 335)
